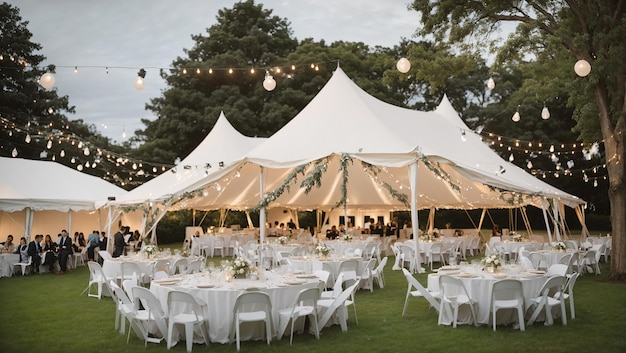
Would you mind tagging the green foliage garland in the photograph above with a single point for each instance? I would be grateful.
(440, 173)
(373, 171)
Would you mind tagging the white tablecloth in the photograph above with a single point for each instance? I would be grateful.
(305, 264)
(513, 247)
(221, 299)
(7, 262)
(339, 246)
(479, 289)
(113, 268)
(208, 241)
(554, 257)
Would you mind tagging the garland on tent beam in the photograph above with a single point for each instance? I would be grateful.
(271, 196)
(373, 171)
(511, 197)
(440, 173)
(343, 169)
(314, 177)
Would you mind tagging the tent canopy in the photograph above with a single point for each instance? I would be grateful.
(44, 185)
(343, 120)
(222, 145)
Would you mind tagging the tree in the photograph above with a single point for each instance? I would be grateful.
(594, 31)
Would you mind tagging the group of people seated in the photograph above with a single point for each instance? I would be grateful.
(43, 251)
(279, 229)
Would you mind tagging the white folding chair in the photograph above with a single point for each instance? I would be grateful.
(378, 274)
(194, 266)
(124, 307)
(548, 297)
(323, 276)
(184, 309)
(557, 269)
(251, 306)
(25, 266)
(539, 260)
(104, 255)
(305, 306)
(568, 293)
(179, 266)
(151, 315)
(367, 278)
(337, 306)
(218, 245)
(97, 277)
(453, 295)
(416, 290)
(507, 294)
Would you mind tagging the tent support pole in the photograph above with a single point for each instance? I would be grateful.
(555, 210)
(28, 226)
(414, 219)
(480, 222)
(545, 218)
(69, 222)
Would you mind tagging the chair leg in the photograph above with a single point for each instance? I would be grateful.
(189, 335)
(520, 318)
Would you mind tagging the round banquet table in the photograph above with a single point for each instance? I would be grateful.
(305, 263)
(554, 256)
(339, 246)
(113, 268)
(478, 285)
(514, 246)
(208, 242)
(7, 262)
(221, 296)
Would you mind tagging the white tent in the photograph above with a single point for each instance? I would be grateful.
(344, 120)
(377, 147)
(52, 190)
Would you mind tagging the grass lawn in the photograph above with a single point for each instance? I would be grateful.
(47, 314)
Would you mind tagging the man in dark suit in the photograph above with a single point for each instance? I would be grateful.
(118, 242)
(34, 249)
(65, 250)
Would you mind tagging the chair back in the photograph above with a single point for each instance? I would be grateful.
(119, 294)
(322, 275)
(526, 263)
(339, 301)
(251, 301)
(149, 302)
(537, 259)
(183, 302)
(451, 287)
(382, 264)
(552, 286)
(557, 269)
(507, 289)
(104, 255)
(179, 266)
(194, 266)
(95, 272)
(349, 265)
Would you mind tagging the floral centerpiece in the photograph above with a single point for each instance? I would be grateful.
(559, 245)
(149, 250)
(492, 263)
(241, 267)
(321, 249)
(283, 240)
(347, 237)
(426, 237)
(516, 237)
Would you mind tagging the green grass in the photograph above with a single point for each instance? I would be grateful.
(47, 314)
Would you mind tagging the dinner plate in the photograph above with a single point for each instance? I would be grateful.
(206, 285)
(293, 282)
(449, 268)
(466, 275)
(167, 281)
(306, 276)
(499, 275)
(537, 272)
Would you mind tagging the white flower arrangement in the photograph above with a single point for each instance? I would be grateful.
(491, 261)
(283, 240)
(321, 249)
(426, 237)
(149, 250)
(347, 237)
(516, 237)
(559, 245)
(241, 267)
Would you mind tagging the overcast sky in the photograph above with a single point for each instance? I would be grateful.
(152, 33)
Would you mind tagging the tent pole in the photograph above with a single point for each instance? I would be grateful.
(250, 224)
(69, 222)
(28, 227)
(545, 218)
(555, 210)
(431, 220)
(193, 217)
(480, 223)
(414, 219)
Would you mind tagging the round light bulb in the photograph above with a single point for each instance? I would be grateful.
(515, 117)
(47, 80)
(269, 83)
(403, 65)
(139, 83)
(582, 68)
(491, 84)
(545, 113)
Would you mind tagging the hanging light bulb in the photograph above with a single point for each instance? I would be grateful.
(50, 110)
(491, 84)
(516, 117)
(529, 165)
(230, 70)
(73, 160)
(269, 83)
(75, 69)
(545, 113)
(14, 152)
(54, 157)
(87, 164)
(218, 187)
(463, 136)
(184, 71)
(511, 158)
(62, 154)
(27, 138)
(124, 133)
(403, 65)
(80, 144)
(47, 80)
(582, 68)
(49, 144)
(86, 151)
(595, 183)
(79, 167)
(139, 83)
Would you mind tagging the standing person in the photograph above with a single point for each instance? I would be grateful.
(103, 241)
(65, 250)
(93, 242)
(34, 249)
(118, 242)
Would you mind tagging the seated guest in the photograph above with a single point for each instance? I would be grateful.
(332, 233)
(103, 241)
(79, 242)
(34, 251)
(22, 250)
(496, 232)
(9, 247)
(458, 233)
(50, 249)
